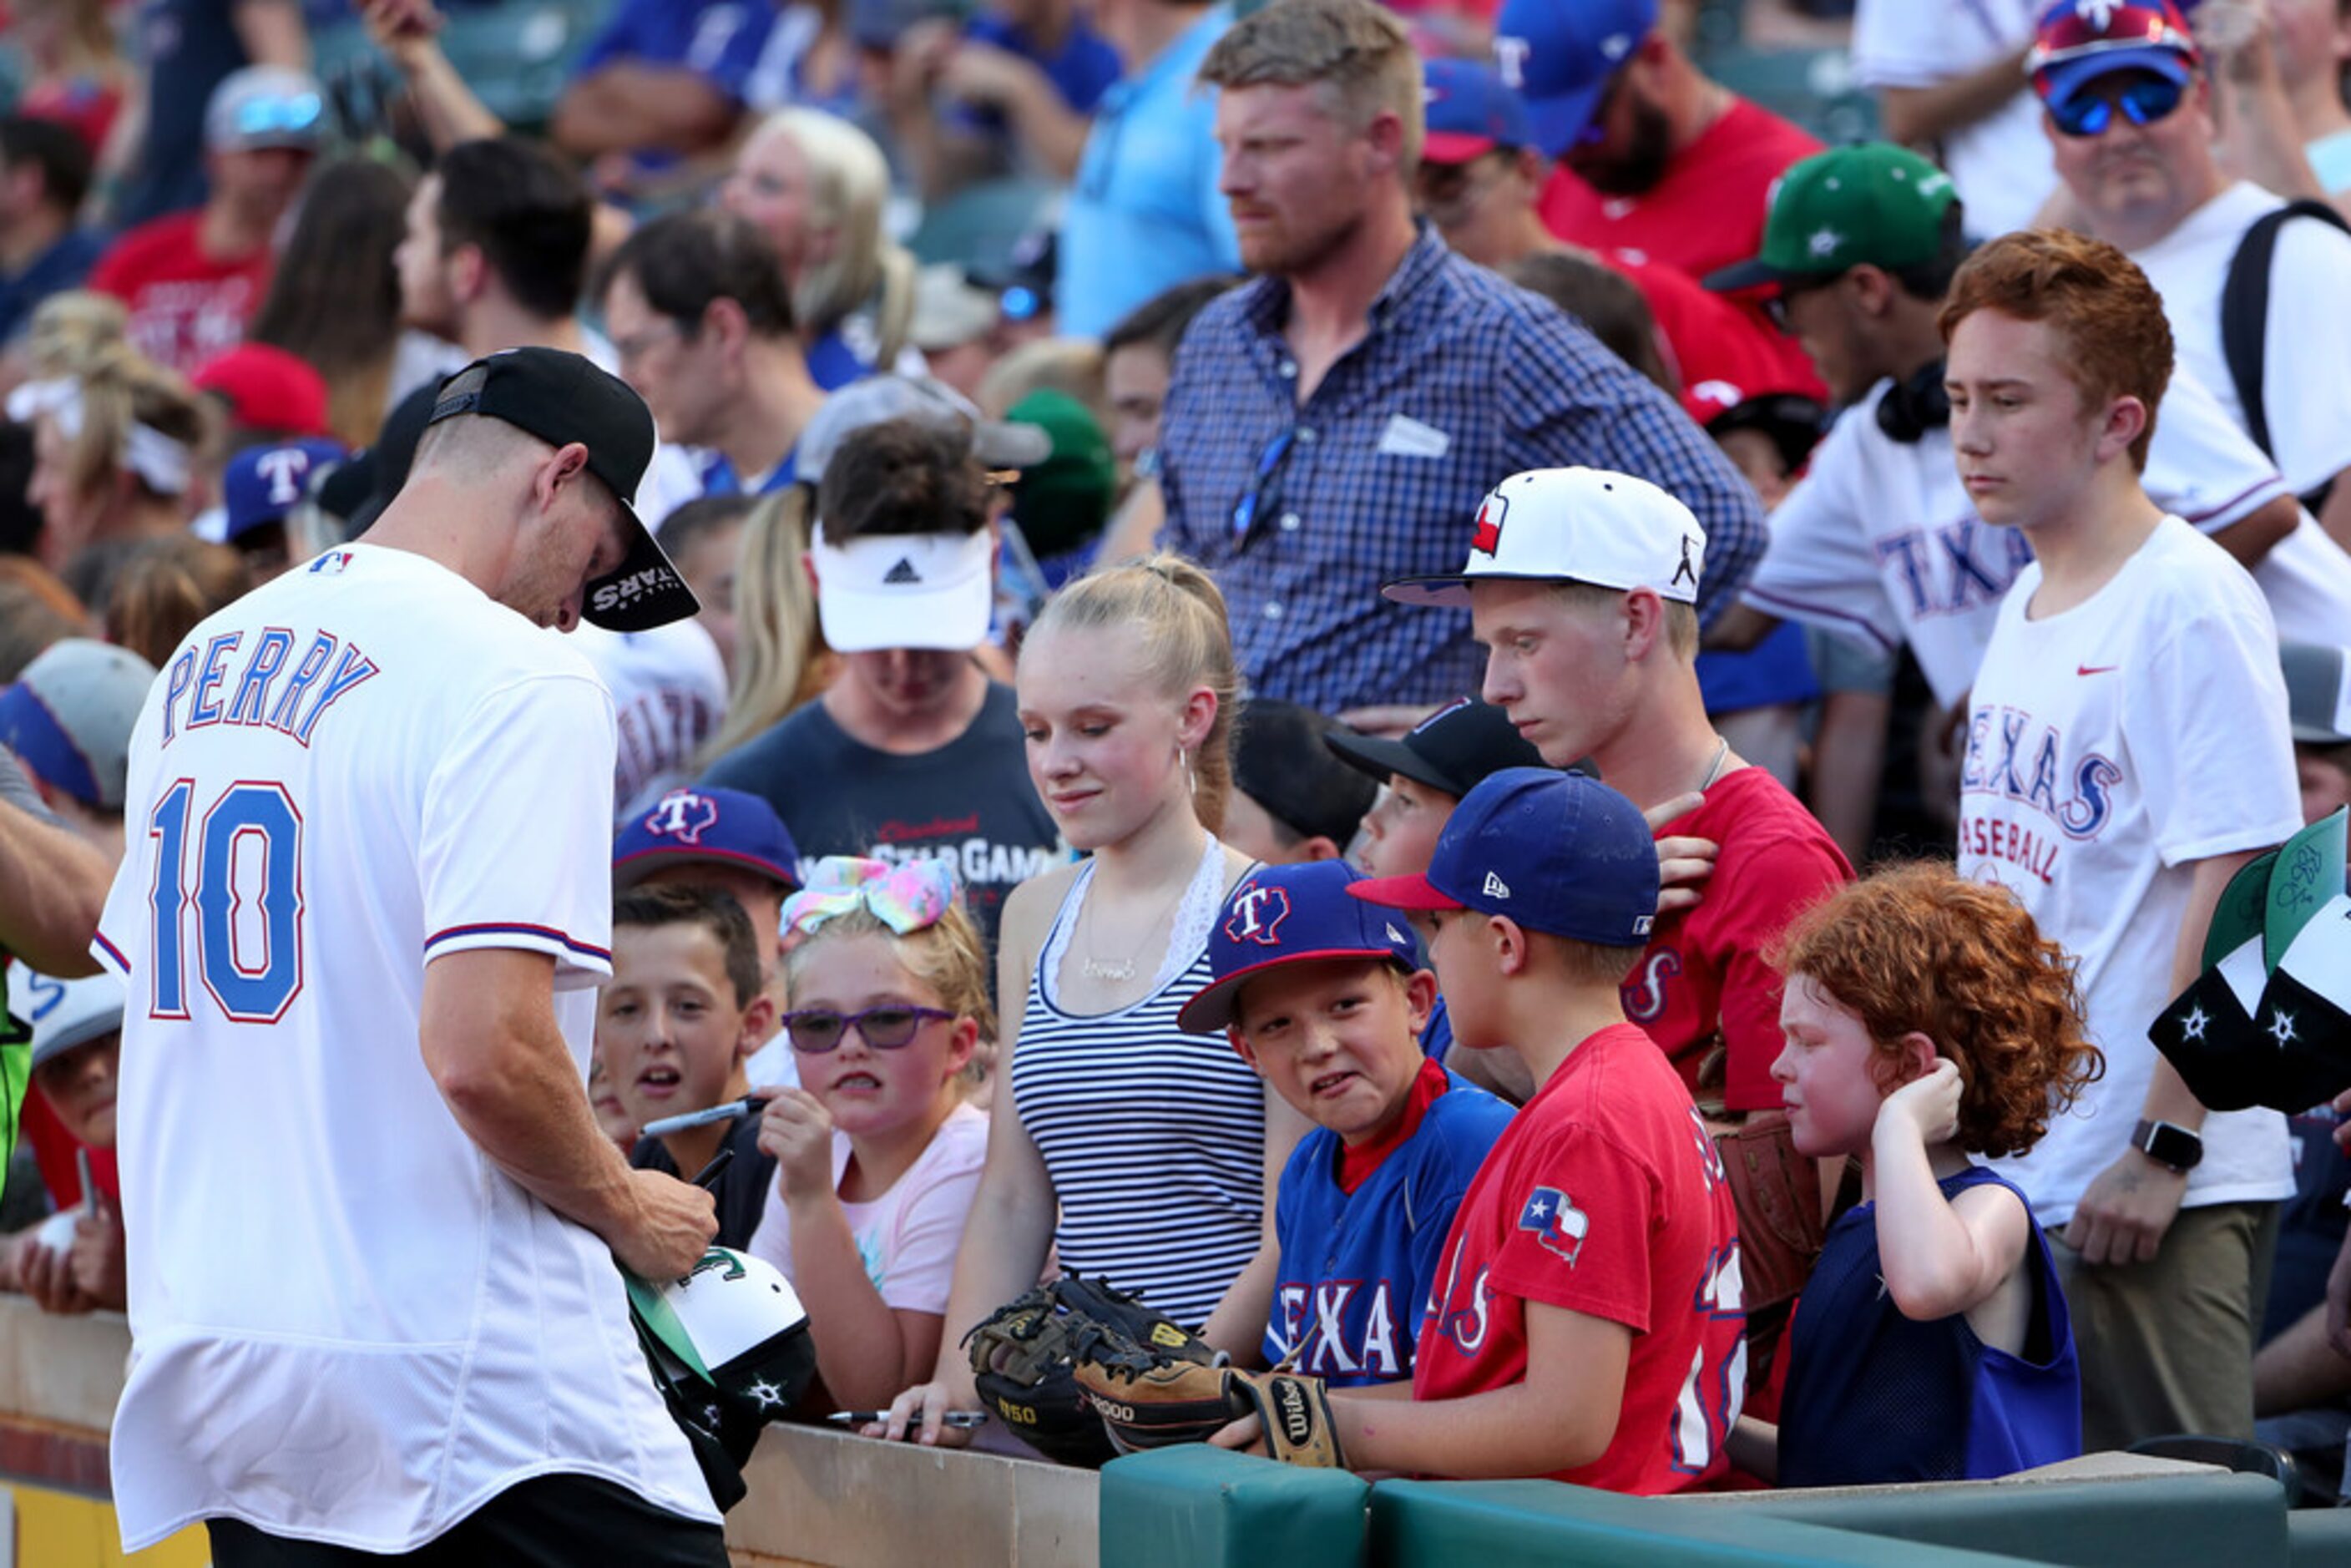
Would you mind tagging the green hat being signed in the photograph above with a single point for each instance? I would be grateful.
(1875, 203)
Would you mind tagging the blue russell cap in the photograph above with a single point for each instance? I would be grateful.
(262, 484)
(1555, 852)
(1292, 914)
(1560, 54)
(1470, 112)
(706, 827)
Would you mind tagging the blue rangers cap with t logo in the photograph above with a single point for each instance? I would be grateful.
(1292, 914)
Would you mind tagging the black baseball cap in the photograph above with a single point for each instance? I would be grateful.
(1277, 763)
(1452, 750)
(561, 397)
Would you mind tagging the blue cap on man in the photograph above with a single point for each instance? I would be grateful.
(1469, 111)
(1557, 852)
(1292, 914)
(1560, 54)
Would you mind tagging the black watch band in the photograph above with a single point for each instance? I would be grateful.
(2170, 1145)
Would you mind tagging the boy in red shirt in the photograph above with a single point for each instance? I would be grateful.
(1586, 1322)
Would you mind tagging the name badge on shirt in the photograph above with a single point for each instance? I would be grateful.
(1407, 437)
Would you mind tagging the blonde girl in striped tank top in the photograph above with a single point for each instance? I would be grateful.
(1149, 1157)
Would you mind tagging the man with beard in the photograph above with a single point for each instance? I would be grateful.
(1654, 161)
(1330, 425)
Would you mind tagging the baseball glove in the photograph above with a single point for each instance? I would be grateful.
(1021, 1357)
(1151, 1395)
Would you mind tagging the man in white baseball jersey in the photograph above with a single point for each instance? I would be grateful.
(1880, 543)
(2127, 753)
(371, 1223)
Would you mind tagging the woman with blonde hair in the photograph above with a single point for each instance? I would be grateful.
(781, 662)
(816, 185)
(1140, 1154)
(115, 437)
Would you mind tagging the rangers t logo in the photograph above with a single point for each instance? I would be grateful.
(1258, 914)
(1558, 1225)
(1488, 537)
(682, 815)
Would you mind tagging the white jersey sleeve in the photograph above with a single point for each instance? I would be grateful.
(1818, 567)
(2201, 465)
(2306, 375)
(1905, 43)
(513, 853)
(2204, 718)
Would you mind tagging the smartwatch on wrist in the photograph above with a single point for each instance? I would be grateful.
(2172, 1147)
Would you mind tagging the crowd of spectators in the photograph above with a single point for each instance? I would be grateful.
(1074, 419)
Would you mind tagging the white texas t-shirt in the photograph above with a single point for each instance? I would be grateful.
(349, 1325)
(2000, 164)
(1880, 543)
(2108, 747)
(2306, 373)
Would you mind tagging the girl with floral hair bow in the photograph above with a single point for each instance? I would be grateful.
(877, 1152)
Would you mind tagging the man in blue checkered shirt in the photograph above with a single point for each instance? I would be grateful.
(1334, 423)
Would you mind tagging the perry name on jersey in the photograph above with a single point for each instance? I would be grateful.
(266, 695)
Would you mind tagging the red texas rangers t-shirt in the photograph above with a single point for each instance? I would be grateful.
(1604, 1197)
(186, 306)
(1703, 972)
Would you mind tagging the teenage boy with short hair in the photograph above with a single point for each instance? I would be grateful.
(1587, 1321)
(2127, 752)
(1324, 996)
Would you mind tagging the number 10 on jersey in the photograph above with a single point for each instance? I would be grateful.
(248, 866)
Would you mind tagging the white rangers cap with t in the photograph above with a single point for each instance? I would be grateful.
(1574, 525)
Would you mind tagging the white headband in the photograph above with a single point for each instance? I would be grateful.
(159, 459)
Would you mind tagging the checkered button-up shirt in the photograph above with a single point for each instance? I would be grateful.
(1301, 510)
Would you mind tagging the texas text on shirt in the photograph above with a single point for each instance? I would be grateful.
(1879, 542)
(1461, 379)
(2108, 747)
(388, 1329)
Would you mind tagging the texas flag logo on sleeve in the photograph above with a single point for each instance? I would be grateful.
(1558, 1225)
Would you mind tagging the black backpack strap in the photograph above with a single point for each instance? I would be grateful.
(2245, 308)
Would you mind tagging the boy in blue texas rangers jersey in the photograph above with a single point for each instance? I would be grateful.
(1325, 997)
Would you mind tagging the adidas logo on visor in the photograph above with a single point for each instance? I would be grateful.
(1496, 887)
(902, 573)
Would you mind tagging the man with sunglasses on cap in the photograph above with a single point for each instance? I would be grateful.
(192, 281)
(386, 793)
(2129, 113)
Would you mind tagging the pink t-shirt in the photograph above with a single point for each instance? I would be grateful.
(908, 1236)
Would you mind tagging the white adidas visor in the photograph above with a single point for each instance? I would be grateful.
(905, 590)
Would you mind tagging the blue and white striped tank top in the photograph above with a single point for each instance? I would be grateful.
(1155, 1139)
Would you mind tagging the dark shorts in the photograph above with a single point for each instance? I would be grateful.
(551, 1521)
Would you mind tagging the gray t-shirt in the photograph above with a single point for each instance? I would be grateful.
(969, 802)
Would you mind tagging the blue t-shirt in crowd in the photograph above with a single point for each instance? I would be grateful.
(1145, 214)
(1777, 670)
(717, 40)
(719, 478)
(55, 270)
(1875, 1397)
(1082, 70)
(833, 364)
(189, 46)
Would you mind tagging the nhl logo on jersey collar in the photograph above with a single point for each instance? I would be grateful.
(1555, 852)
(1292, 914)
(1572, 525)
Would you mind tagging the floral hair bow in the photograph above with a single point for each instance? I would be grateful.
(905, 897)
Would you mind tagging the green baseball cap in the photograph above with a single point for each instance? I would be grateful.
(1063, 501)
(1875, 202)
